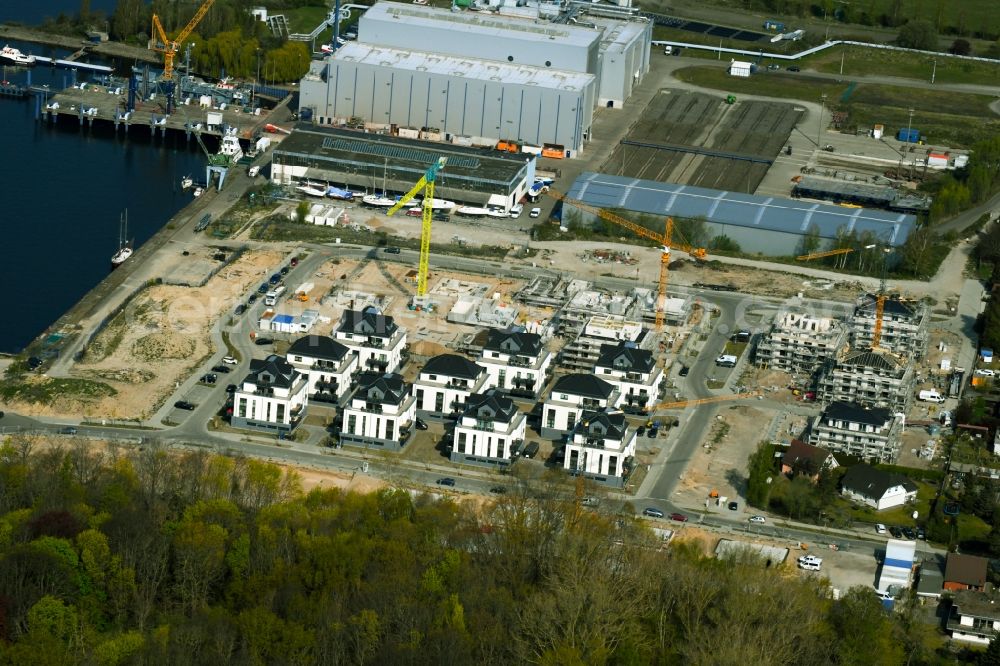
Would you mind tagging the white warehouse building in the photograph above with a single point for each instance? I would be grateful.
(478, 78)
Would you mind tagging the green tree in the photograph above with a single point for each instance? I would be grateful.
(865, 632)
(991, 656)
(918, 35)
(724, 243)
(811, 241)
(762, 474)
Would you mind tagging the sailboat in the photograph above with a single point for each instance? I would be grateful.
(124, 246)
(380, 200)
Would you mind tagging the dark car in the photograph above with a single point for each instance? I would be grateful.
(284, 270)
(446, 481)
(252, 299)
(184, 404)
(793, 68)
(262, 289)
(220, 368)
(209, 378)
(896, 532)
(498, 490)
(679, 517)
(733, 506)
(294, 262)
(640, 431)
(420, 424)
(921, 534)
(264, 341)
(231, 388)
(392, 250)
(240, 309)
(652, 513)
(68, 430)
(275, 279)
(684, 371)
(34, 363)
(530, 450)
(909, 533)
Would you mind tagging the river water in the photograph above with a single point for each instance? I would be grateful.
(64, 189)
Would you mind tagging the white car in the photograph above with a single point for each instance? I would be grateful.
(516, 210)
(229, 360)
(986, 372)
(760, 520)
(810, 563)
(535, 212)
(880, 528)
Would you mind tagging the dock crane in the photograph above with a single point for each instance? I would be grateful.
(169, 47)
(665, 240)
(426, 183)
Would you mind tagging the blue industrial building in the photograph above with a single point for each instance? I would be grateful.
(770, 226)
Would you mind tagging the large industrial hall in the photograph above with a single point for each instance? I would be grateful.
(479, 78)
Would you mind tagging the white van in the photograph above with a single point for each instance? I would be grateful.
(668, 50)
(726, 361)
(930, 395)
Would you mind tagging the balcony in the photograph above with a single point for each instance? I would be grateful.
(374, 407)
(486, 426)
(372, 342)
(520, 361)
(590, 403)
(375, 364)
(457, 383)
(524, 383)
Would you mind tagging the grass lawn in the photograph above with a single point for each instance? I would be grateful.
(957, 119)
(735, 348)
(861, 61)
(972, 528)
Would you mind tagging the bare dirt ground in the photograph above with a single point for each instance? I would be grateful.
(154, 343)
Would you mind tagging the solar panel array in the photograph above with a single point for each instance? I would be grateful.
(396, 152)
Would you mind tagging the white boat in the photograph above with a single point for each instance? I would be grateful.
(311, 191)
(198, 191)
(472, 211)
(231, 148)
(436, 204)
(378, 201)
(12, 55)
(186, 182)
(124, 246)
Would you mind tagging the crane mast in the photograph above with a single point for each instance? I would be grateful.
(169, 47)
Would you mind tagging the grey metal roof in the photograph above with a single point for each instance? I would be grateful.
(733, 208)
(272, 371)
(452, 365)
(585, 385)
(625, 356)
(514, 342)
(318, 346)
(867, 481)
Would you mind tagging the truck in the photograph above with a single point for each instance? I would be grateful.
(909, 135)
(271, 297)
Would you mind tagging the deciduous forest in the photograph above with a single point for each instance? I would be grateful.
(149, 556)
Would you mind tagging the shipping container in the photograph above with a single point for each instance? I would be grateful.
(937, 160)
(908, 135)
(507, 146)
(553, 150)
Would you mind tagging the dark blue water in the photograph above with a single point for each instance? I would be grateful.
(63, 191)
(33, 12)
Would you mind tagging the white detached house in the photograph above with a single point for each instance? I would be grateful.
(446, 382)
(489, 431)
(601, 447)
(570, 396)
(272, 397)
(327, 364)
(376, 339)
(876, 488)
(633, 371)
(380, 412)
(516, 361)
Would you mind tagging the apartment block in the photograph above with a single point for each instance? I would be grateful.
(272, 397)
(517, 362)
(571, 395)
(870, 434)
(582, 353)
(489, 431)
(634, 372)
(446, 382)
(904, 325)
(327, 364)
(380, 412)
(869, 378)
(375, 338)
(801, 343)
(601, 447)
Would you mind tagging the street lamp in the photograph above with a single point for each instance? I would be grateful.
(822, 105)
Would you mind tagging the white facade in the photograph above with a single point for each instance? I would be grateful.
(380, 413)
(570, 397)
(516, 362)
(870, 434)
(446, 382)
(634, 372)
(376, 340)
(974, 617)
(893, 496)
(488, 430)
(272, 397)
(326, 364)
(600, 445)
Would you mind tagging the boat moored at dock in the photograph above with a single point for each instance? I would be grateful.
(10, 55)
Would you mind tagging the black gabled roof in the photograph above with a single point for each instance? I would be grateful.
(854, 413)
(514, 342)
(272, 371)
(453, 365)
(367, 322)
(609, 425)
(892, 306)
(319, 346)
(387, 388)
(870, 358)
(585, 385)
(626, 356)
(867, 481)
(495, 406)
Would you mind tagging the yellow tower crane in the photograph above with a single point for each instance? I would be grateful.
(681, 404)
(169, 47)
(426, 183)
(665, 241)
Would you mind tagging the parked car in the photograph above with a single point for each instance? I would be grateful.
(275, 279)
(184, 404)
(909, 533)
(590, 501)
(220, 368)
(229, 360)
(392, 250)
(516, 210)
(652, 432)
(446, 481)
(252, 299)
(498, 490)
(921, 534)
(68, 430)
(880, 528)
(734, 506)
(640, 431)
(535, 212)
(793, 68)
(209, 378)
(760, 520)
(240, 309)
(679, 517)
(262, 289)
(264, 341)
(896, 532)
(652, 513)
(420, 424)
(684, 371)
(284, 270)
(294, 262)
(231, 388)
(810, 563)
